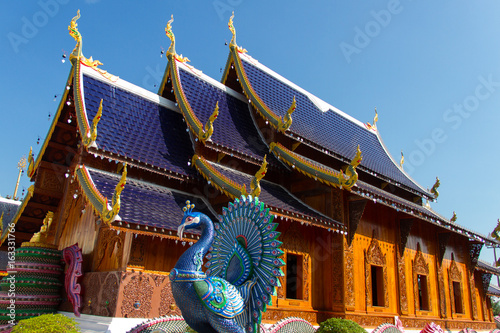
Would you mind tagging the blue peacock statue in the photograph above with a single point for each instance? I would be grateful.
(242, 268)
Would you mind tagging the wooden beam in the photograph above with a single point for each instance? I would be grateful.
(404, 231)
(52, 194)
(42, 206)
(356, 209)
(31, 219)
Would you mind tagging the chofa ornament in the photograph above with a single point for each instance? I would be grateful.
(243, 268)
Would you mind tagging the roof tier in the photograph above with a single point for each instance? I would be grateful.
(140, 130)
(316, 122)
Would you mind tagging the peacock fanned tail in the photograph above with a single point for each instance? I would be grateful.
(246, 253)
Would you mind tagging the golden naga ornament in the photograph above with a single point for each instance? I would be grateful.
(255, 183)
(375, 119)
(435, 187)
(110, 212)
(230, 24)
(171, 50)
(31, 163)
(89, 139)
(453, 218)
(77, 53)
(402, 160)
(206, 133)
(286, 122)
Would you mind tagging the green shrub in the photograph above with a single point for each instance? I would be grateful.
(47, 323)
(339, 325)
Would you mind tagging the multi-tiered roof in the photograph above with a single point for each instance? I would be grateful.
(138, 156)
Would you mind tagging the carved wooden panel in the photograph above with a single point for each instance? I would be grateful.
(374, 256)
(138, 250)
(137, 295)
(109, 249)
(472, 286)
(403, 298)
(442, 294)
(474, 251)
(420, 267)
(349, 274)
(295, 240)
(338, 269)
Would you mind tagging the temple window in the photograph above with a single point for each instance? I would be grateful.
(377, 273)
(455, 284)
(421, 282)
(294, 276)
(423, 293)
(377, 293)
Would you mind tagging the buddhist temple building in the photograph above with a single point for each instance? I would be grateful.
(360, 239)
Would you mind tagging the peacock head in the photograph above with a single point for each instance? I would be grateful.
(191, 220)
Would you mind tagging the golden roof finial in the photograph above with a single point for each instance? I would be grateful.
(453, 218)
(375, 119)
(286, 122)
(73, 32)
(89, 139)
(170, 35)
(111, 211)
(31, 162)
(402, 160)
(255, 183)
(435, 187)
(21, 165)
(207, 132)
(230, 24)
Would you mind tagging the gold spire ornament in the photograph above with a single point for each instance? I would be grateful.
(255, 183)
(435, 187)
(206, 133)
(21, 165)
(233, 44)
(453, 218)
(171, 50)
(110, 212)
(89, 139)
(375, 119)
(402, 161)
(286, 122)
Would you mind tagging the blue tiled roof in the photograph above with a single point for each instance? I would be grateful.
(9, 210)
(329, 130)
(137, 128)
(234, 127)
(147, 204)
(275, 195)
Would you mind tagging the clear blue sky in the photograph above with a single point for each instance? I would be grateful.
(432, 69)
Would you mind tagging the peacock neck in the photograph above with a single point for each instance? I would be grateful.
(192, 259)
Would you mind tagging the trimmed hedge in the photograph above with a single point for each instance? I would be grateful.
(339, 325)
(48, 323)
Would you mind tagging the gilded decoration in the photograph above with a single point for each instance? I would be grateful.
(442, 294)
(420, 267)
(374, 126)
(316, 171)
(435, 187)
(472, 286)
(255, 182)
(89, 139)
(349, 275)
(374, 256)
(403, 298)
(233, 44)
(206, 133)
(171, 50)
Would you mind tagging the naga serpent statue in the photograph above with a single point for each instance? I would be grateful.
(242, 269)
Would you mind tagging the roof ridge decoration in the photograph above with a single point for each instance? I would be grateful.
(108, 212)
(77, 53)
(281, 124)
(374, 126)
(1, 224)
(202, 132)
(217, 179)
(233, 31)
(171, 50)
(255, 183)
(322, 173)
(435, 187)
